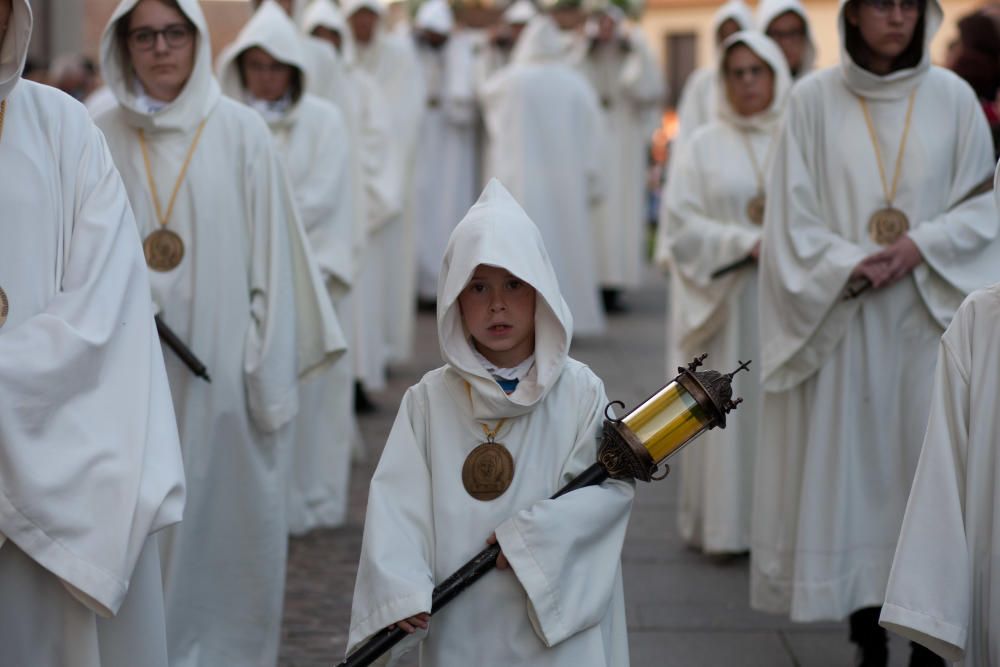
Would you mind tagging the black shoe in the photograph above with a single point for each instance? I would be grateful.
(872, 656)
(362, 404)
(870, 637)
(611, 299)
(922, 656)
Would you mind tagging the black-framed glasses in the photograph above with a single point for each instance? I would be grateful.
(176, 36)
(752, 72)
(886, 6)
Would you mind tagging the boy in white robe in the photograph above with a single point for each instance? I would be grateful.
(265, 67)
(845, 377)
(626, 77)
(90, 464)
(717, 179)
(786, 22)
(245, 295)
(944, 588)
(505, 332)
(548, 134)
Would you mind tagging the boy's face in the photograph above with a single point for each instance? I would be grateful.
(498, 310)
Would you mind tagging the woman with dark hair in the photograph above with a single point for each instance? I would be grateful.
(231, 275)
(873, 236)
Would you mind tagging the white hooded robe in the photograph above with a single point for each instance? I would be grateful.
(312, 138)
(245, 300)
(90, 465)
(768, 10)
(548, 132)
(845, 381)
(707, 226)
(562, 602)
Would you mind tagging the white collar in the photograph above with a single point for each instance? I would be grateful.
(271, 111)
(516, 373)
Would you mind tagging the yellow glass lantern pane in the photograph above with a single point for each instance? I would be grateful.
(667, 421)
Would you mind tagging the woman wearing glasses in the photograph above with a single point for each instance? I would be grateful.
(873, 236)
(786, 22)
(231, 276)
(713, 211)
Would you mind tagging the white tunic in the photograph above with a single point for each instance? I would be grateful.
(629, 85)
(446, 181)
(562, 603)
(944, 590)
(845, 382)
(314, 143)
(90, 465)
(547, 129)
(705, 215)
(244, 300)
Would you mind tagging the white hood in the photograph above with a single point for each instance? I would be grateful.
(351, 6)
(497, 232)
(541, 42)
(736, 10)
(195, 102)
(435, 16)
(14, 51)
(766, 49)
(768, 10)
(520, 13)
(326, 14)
(270, 29)
(899, 83)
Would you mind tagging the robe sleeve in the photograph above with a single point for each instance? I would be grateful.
(961, 246)
(643, 84)
(566, 553)
(90, 461)
(928, 597)
(804, 264)
(293, 329)
(377, 153)
(395, 576)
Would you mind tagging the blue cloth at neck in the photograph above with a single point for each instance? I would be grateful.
(508, 386)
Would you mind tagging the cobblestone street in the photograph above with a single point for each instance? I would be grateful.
(684, 609)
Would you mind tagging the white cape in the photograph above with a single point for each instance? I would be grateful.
(548, 133)
(706, 224)
(90, 465)
(562, 604)
(845, 382)
(315, 145)
(944, 589)
(244, 299)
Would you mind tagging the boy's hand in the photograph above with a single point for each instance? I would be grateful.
(502, 563)
(413, 623)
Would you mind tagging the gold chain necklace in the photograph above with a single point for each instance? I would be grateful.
(755, 207)
(888, 224)
(3, 114)
(4, 304)
(163, 248)
(489, 468)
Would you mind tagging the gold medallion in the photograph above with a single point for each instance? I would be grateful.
(4, 307)
(755, 209)
(887, 225)
(164, 250)
(488, 471)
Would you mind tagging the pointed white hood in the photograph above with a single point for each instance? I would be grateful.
(768, 10)
(195, 102)
(736, 10)
(435, 16)
(898, 84)
(541, 42)
(326, 14)
(497, 232)
(351, 6)
(14, 50)
(766, 49)
(520, 13)
(270, 29)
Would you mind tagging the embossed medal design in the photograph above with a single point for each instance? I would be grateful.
(488, 471)
(164, 250)
(887, 225)
(4, 307)
(755, 209)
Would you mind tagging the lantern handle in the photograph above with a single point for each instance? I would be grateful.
(666, 471)
(611, 417)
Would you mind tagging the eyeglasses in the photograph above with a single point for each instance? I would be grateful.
(886, 6)
(795, 34)
(752, 72)
(176, 36)
(266, 68)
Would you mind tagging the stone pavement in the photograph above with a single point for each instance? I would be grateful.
(684, 609)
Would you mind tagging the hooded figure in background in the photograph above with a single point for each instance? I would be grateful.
(445, 184)
(375, 201)
(548, 133)
(314, 142)
(944, 589)
(709, 222)
(626, 77)
(391, 61)
(786, 22)
(698, 97)
(236, 282)
(90, 465)
(561, 603)
(873, 236)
